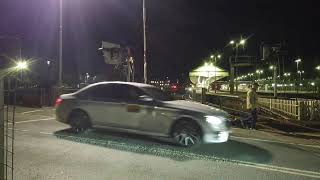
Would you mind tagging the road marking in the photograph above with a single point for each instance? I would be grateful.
(35, 120)
(266, 167)
(293, 171)
(28, 112)
(272, 141)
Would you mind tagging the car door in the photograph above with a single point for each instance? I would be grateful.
(156, 118)
(100, 103)
(131, 113)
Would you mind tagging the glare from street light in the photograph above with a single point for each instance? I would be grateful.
(318, 68)
(232, 42)
(219, 56)
(271, 67)
(297, 61)
(259, 71)
(22, 65)
(212, 56)
(242, 41)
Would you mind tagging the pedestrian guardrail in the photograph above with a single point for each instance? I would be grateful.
(298, 109)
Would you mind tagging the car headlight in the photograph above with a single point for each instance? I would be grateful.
(214, 120)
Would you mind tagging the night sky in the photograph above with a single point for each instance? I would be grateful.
(181, 33)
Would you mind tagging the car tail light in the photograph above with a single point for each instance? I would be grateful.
(58, 101)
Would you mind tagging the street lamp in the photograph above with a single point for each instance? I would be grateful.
(21, 66)
(242, 41)
(259, 72)
(298, 61)
(318, 68)
(214, 57)
(60, 43)
(236, 44)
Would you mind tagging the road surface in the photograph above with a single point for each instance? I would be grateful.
(46, 149)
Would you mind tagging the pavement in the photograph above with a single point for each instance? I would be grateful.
(46, 149)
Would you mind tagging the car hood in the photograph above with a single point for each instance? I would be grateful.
(195, 107)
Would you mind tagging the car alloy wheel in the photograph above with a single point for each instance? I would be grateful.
(187, 134)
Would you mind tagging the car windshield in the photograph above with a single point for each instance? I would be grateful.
(158, 94)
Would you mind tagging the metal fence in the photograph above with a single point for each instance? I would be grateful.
(298, 109)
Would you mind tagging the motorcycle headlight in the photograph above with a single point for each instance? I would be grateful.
(214, 120)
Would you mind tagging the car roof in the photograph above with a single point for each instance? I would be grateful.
(141, 85)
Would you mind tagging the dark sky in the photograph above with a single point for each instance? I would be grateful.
(181, 33)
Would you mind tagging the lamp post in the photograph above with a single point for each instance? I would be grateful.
(49, 64)
(236, 44)
(259, 72)
(298, 61)
(215, 57)
(60, 43)
(144, 43)
(286, 76)
(274, 68)
(318, 81)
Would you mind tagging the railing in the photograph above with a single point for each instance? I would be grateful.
(306, 110)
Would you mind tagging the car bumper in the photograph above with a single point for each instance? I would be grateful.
(61, 115)
(216, 137)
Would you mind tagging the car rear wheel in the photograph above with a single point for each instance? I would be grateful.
(79, 121)
(187, 134)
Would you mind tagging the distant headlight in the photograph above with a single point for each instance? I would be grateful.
(214, 120)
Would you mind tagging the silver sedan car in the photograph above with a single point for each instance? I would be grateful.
(142, 109)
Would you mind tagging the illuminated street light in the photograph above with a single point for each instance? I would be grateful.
(242, 41)
(312, 83)
(259, 71)
(297, 61)
(22, 65)
(232, 42)
(212, 56)
(318, 68)
(287, 74)
(271, 67)
(219, 56)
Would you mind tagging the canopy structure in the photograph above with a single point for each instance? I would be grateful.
(204, 75)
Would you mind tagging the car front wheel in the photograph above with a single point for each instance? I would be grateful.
(187, 134)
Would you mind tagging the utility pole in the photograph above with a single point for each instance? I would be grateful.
(144, 44)
(60, 46)
(275, 81)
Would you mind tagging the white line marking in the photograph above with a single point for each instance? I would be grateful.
(280, 142)
(35, 120)
(28, 112)
(241, 163)
(285, 170)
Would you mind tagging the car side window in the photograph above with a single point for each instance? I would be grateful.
(127, 93)
(99, 92)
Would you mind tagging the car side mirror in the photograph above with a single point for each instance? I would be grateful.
(146, 98)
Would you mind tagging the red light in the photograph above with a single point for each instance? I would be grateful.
(58, 102)
(174, 87)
